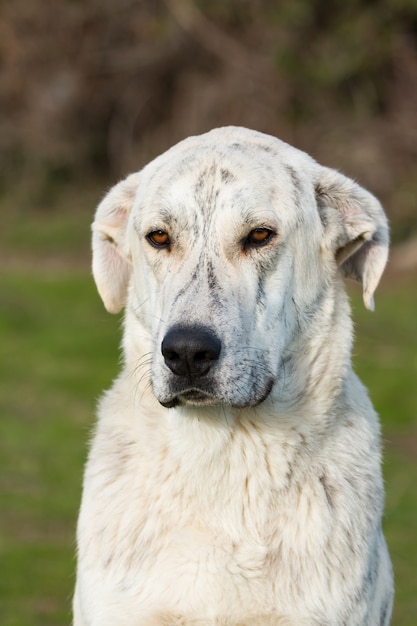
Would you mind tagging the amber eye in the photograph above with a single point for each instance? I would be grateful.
(258, 237)
(158, 239)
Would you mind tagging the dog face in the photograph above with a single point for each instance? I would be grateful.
(227, 249)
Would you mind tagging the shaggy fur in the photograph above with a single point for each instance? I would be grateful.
(234, 475)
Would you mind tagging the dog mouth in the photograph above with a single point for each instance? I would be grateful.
(196, 397)
(193, 397)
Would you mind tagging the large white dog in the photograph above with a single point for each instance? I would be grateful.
(234, 475)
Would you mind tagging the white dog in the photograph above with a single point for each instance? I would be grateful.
(234, 475)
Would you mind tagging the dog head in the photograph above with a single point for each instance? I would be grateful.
(226, 250)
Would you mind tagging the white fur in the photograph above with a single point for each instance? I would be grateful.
(257, 502)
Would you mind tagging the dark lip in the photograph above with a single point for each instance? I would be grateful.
(195, 397)
(192, 396)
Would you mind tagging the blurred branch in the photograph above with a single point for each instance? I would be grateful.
(215, 41)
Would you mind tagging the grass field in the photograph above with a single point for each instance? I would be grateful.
(60, 349)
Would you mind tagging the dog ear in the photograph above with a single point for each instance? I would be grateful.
(111, 265)
(356, 228)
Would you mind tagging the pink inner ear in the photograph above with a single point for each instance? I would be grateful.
(115, 219)
(120, 214)
(109, 227)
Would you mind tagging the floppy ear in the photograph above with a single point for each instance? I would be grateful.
(111, 265)
(356, 228)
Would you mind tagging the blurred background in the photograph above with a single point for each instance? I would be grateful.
(91, 90)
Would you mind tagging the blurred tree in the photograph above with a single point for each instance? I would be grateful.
(95, 87)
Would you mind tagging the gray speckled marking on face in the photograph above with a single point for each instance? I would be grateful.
(298, 190)
(207, 189)
(227, 177)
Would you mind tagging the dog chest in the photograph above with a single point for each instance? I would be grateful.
(164, 522)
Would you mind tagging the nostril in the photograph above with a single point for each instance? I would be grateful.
(190, 350)
(171, 355)
(204, 356)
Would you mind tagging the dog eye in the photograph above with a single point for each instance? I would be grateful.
(158, 239)
(258, 237)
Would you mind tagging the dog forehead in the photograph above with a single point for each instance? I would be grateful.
(240, 148)
(237, 167)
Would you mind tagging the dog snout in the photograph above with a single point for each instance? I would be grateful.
(190, 351)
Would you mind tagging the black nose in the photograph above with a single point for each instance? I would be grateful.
(190, 350)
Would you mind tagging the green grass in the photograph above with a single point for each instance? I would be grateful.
(60, 349)
(386, 360)
(385, 353)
